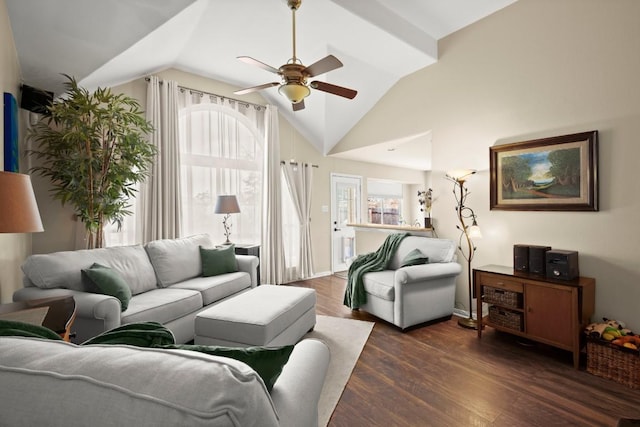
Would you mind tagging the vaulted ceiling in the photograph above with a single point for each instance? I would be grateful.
(108, 42)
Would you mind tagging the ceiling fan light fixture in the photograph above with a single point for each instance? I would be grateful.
(295, 92)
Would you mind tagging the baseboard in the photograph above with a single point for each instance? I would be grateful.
(322, 274)
(464, 313)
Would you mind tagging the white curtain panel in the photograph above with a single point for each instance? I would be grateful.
(299, 180)
(222, 148)
(159, 215)
(272, 266)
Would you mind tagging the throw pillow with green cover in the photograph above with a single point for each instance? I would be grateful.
(218, 260)
(108, 282)
(415, 257)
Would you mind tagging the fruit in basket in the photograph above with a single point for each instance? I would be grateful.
(613, 331)
(608, 336)
(630, 345)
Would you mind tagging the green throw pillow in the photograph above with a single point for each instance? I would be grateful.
(109, 282)
(218, 260)
(267, 362)
(415, 257)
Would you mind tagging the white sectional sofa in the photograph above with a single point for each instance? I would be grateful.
(164, 276)
(54, 383)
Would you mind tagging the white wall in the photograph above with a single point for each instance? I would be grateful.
(535, 69)
(14, 248)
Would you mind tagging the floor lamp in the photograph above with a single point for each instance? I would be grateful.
(467, 233)
(227, 205)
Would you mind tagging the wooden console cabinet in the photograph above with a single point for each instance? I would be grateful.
(549, 311)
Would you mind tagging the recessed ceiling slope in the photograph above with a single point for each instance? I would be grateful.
(108, 42)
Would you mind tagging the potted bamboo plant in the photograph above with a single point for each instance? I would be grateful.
(93, 148)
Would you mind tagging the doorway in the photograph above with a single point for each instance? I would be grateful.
(346, 208)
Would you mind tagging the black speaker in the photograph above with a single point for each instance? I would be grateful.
(521, 258)
(36, 100)
(537, 259)
(562, 265)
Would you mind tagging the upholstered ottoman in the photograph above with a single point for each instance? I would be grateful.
(267, 316)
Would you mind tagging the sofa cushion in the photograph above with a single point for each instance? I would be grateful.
(63, 269)
(380, 284)
(108, 282)
(437, 250)
(219, 260)
(162, 305)
(123, 385)
(215, 288)
(175, 260)
(415, 257)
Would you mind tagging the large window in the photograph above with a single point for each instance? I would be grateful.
(221, 153)
(384, 202)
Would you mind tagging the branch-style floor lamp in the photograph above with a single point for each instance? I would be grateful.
(227, 205)
(467, 233)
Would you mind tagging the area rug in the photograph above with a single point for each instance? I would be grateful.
(346, 339)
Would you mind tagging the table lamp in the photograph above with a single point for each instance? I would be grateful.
(19, 213)
(227, 205)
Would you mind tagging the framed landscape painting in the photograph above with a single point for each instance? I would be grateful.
(551, 174)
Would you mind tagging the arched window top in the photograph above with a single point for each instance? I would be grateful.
(223, 110)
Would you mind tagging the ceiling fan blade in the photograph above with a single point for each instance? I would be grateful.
(333, 89)
(299, 106)
(255, 88)
(251, 61)
(322, 66)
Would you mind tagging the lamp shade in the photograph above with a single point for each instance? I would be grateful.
(19, 211)
(226, 205)
(460, 174)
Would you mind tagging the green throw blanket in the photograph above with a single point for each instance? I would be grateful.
(10, 328)
(354, 295)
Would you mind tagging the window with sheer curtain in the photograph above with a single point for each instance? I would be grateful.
(221, 153)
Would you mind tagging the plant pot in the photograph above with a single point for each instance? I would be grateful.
(427, 223)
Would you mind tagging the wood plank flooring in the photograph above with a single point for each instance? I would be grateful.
(443, 375)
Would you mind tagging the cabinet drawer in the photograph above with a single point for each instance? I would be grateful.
(500, 282)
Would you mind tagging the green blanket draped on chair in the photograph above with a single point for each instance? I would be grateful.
(354, 295)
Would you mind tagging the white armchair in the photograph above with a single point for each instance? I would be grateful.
(407, 296)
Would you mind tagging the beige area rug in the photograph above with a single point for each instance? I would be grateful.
(346, 339)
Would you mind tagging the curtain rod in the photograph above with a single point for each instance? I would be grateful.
(282, 162)
(202, 92)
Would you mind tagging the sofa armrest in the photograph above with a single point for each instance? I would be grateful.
(249, 264)
(297, 391)
(95, 313)
(425, 272)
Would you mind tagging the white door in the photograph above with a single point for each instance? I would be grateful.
(346, 206)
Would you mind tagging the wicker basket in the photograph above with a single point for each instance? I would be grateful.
(502, 297)
(505, 318)
(613, 362)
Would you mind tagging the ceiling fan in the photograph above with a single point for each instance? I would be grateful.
(294, 74)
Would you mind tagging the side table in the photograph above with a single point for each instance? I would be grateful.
(249, 249)
(59, 318)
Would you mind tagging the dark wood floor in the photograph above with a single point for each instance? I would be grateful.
(443, 375)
